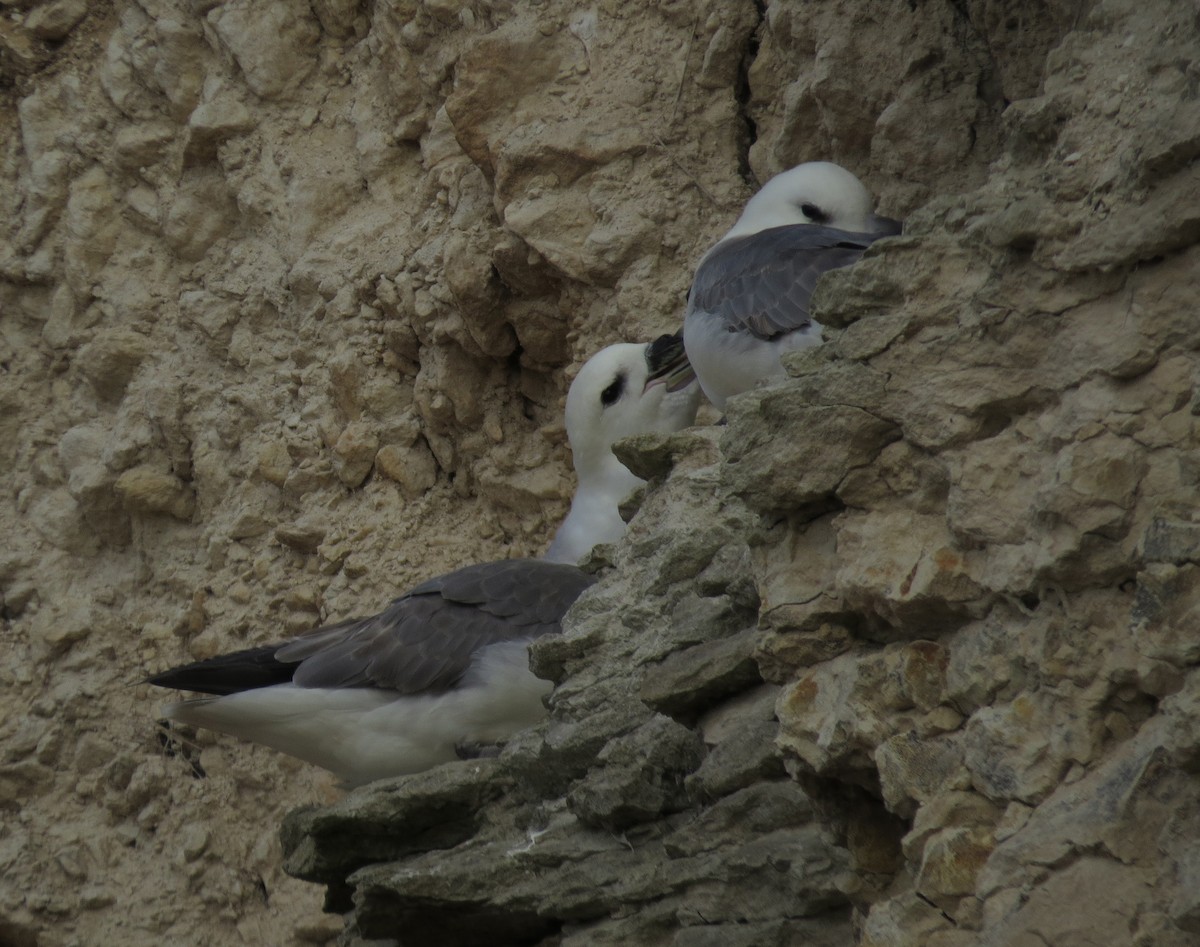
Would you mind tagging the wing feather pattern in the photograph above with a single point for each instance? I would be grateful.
(763, 283)
(423, 641)
(228, 673)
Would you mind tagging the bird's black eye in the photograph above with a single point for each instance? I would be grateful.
(614, 391)
(814, 213)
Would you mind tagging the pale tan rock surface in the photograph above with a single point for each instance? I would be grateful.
(289, 298)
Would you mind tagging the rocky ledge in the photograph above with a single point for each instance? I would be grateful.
(905, 652)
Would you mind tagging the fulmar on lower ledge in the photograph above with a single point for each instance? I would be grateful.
(446, 665)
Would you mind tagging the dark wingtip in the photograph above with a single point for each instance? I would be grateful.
(227, 673)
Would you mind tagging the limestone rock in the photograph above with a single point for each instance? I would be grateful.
(55, 20)
(951, 860)
(111, 359)
(912, 771)
(182, 61)
(275, 463)
(641, 776)
(20, 48)
(692, 679)
(423, 801)
(147, 489)
(200, 214)
(90, 221)
(355, 452)
(58, 630)
(413, 468)
(958, 539)
(219, 116)
(771, 480)
(304, 535)
(273, 45)
(341, 18)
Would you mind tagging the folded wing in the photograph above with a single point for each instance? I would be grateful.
(423, 642)
(763, 283)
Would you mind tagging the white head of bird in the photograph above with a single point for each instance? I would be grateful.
(614, 396)
(818, 192)
(622, 390)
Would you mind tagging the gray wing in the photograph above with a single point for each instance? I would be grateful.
(424, 640)
(763, 283)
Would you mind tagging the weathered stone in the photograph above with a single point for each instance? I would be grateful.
(274, 463)
(811, 728)
(1168, 541)
(653, 456)
(249, 524)
(951, 861)
(55, 20)
(219, 115)
(143, 144)
(340, 18)
(182, 61)
(20, 48)
(780, 655)
(1102, 894)
(1185, 907)
(953, 809)
(912, 770)
(199, 215)
(91, 222)
(824, 932)
(273, 45)
(918, 585)
(640, 776)
(833, 714)
(413, 468)
(770, 478)
(304, 535)
(427, 812)
(90, 485)
(740, 736)
(691, 680)
(768, 806)
(743, 758)
(1011, 754)
(59, 629)
(355, 452)
(194, 841)
(110, 361)
(963, 527)
(148, 489)
(1165, 600)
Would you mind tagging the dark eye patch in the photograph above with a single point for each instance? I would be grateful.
(814, 213)
(613, 392)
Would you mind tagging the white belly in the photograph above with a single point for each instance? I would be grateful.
(728, 363)
(363, 733)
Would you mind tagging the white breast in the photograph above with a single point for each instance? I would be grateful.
(728, 363)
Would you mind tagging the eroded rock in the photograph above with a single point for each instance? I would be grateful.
(256, 251)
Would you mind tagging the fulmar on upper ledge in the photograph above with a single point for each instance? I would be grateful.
(446, 666)
(749, 302)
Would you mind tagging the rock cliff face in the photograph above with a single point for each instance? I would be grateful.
(904, 653)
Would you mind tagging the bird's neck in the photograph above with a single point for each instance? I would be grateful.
(594, 516)
(605, 478)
